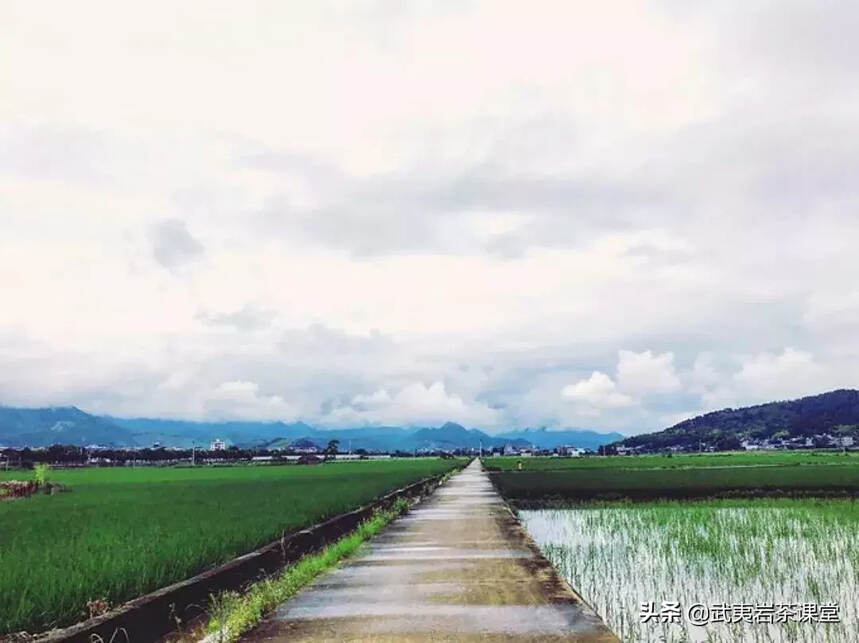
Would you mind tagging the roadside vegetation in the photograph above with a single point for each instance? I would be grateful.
(235, 613)
(123, 532)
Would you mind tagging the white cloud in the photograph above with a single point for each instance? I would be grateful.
(426, 204)
(595, 393)
(240, 399)
(792, 373)
(247, 317)
(703, 374)
(833, 311)
(414, 404)
(172, 244)
(640, 373)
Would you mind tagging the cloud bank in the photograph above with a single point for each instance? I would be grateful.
(611, 216)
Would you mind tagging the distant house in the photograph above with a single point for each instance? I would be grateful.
(309, 458)
(571, 452)
(218, 445)
(510, 449)
(303, 445)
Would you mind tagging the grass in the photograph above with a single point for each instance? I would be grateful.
(121, 533)
(234, 613)
(717, 551)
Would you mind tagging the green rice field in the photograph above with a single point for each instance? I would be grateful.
(546, 480)
(677, 483)
(122, 532)
(693, 460)
(755, 551)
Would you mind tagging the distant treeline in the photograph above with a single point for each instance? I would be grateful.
(80, 456)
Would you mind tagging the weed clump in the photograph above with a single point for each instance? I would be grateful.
(40, 473)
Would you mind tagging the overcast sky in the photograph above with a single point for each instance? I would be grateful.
(611, 215)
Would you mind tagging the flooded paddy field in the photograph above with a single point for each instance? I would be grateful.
(796, 555)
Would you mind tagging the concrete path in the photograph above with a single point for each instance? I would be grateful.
(458, 567)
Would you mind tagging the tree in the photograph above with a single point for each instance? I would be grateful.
(728, 443)
(332, 449)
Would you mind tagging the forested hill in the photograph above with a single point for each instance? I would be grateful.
(835, 413)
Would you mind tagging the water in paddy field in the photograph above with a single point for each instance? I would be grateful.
(719, 552)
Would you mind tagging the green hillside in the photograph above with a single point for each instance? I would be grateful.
(817, 420)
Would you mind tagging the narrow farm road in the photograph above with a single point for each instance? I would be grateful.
(459, 567)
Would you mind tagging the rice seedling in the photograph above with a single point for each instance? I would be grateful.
(121, 533)
(762, 551)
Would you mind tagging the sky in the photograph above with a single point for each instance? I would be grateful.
(611, 215)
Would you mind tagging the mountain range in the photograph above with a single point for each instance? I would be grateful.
(835, 413)
(69, 425)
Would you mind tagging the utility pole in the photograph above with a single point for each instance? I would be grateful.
(193, 454)
(481, 450)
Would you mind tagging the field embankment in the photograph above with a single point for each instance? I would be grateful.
(125, 532)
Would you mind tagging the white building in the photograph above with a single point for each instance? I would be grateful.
(572, 452)
(218, 445)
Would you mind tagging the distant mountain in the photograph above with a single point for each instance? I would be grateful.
(21, 427)
(549, 439)
(450, 436)
(385, 438)
(71, 426)
(835, 412)
(455, 436)
(185, 433)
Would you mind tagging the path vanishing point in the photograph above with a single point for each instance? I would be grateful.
(457, 567)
